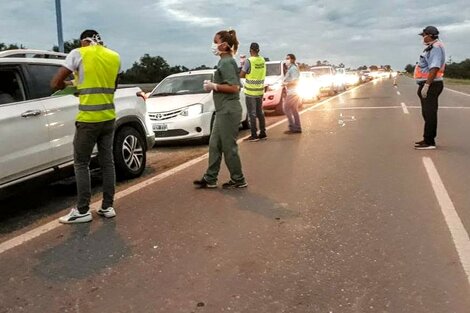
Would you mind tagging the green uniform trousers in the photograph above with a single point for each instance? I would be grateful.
(223, 140)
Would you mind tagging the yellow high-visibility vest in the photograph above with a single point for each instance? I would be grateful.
(254, 81)
(96, 89)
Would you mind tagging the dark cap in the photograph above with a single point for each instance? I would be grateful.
(430, 30)
(254, 46)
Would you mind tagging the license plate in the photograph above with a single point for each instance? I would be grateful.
(160, 127)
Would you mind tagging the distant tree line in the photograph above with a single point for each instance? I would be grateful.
(12, 46)
(459, 70)
(149, 69)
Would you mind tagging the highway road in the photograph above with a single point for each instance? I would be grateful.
(345, 217)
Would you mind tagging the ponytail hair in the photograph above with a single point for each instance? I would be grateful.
(230, 37)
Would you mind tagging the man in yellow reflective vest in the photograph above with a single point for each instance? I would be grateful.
(98, 69)
(429, 72)
(254, 72)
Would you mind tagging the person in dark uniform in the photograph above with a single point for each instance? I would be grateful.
(428, 74)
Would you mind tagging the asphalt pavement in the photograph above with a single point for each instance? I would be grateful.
(344, 217)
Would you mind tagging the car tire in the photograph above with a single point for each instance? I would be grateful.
(129, 153)
(280, 107)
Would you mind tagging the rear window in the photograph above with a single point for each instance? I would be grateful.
(273, 69)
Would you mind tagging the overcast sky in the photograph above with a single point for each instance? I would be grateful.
(354, 32)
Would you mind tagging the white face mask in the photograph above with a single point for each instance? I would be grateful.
(287, 62)
(215, 48)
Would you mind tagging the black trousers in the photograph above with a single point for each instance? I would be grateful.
(429, 106)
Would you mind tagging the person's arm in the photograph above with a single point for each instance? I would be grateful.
(290, 81)
(436, 61)
(58, 81)
(71, 64)
(245, 69)
(230, 78)
(228, 88)
(432, 75)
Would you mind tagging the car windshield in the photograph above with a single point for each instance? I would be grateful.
(321, 71)
(273, 69)
(181, 85)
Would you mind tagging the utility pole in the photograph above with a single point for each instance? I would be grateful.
(58, 12)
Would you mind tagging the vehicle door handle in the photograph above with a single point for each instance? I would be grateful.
(31, 113)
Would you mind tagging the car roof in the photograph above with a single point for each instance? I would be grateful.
(32, 53)
(22, 56)
(274, 62)
(8, 60)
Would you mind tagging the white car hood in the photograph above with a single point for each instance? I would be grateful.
(170, 103)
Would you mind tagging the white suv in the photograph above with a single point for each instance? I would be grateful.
(37, 129)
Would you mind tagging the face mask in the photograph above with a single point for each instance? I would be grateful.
(215, 49)
(424, 42)
(287, 62)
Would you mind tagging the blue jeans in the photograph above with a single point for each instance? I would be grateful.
(291, 110)
(254, 106)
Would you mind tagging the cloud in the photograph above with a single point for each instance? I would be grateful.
(354, 32)
(173, 7)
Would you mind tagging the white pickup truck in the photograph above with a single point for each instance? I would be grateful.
(37, 129)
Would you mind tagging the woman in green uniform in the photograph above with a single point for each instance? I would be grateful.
(226, 93)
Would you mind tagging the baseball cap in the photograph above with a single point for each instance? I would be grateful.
(254, 46)
(430, 30)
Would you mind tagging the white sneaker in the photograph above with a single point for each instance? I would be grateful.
(75, 217)
(109, 212)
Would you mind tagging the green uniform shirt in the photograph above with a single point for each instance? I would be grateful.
(227, 73)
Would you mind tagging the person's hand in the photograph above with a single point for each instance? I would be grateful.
(424, 91)
(209, 86)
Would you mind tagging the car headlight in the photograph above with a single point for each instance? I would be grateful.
(192, 110)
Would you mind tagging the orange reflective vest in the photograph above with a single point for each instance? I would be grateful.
(419, 74)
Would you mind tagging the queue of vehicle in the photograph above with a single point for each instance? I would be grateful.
(39, 127)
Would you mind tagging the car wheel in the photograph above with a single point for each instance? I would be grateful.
(280, 106)
(129, 153)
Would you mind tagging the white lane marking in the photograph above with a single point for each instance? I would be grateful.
(405, 109)
(36, 232)
(359, 108)
(16, 241)
(459, 92)
(456, 228)
(418, 107)
(398, 93)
